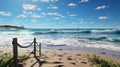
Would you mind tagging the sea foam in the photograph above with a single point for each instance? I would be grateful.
(25, 37)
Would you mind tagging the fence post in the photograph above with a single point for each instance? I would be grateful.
(15, 52)
(39, 49)
(34, 47)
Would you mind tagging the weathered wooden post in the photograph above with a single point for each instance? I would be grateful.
(39, 49)
(34, 47)
(15, 52)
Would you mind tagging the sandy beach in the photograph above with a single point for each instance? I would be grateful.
(59, 58)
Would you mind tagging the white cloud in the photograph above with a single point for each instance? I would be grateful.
(103, 17)
(27, 13)
(53, 7)
(53, 0)
(72, 4)
(47, 1)
(42, 15)
(44, 0)
(56, 18)
(92, 22)
(81, 19)
(30, 7)
(36, 16)
(34, 0)
(5, 13)
(84, 1)
(101, 7)
(72, 15)
(34, 21)
(83, 22)
(21, 16)
(56, 14)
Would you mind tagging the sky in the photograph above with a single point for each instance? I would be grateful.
(60, 13)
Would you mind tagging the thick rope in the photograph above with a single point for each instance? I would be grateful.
(37, 44)
(25, 46)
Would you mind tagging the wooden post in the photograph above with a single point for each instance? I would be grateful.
(34, 47)
(15, 52)
(39, 49)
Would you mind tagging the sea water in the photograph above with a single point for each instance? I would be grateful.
(92, 38)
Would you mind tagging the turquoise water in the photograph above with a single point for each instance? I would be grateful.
(113, 34)
(96, 38)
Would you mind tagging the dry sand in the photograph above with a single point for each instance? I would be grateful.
(58, 58)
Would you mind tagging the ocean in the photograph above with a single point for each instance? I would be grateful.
(108, 39)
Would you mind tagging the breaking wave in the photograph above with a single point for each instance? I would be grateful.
(92, 31)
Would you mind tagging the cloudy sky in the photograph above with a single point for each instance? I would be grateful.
(60, 13)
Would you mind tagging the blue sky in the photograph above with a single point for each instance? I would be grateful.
(60, 13)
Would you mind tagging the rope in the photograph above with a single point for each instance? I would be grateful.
(25, 46)
(37, 44)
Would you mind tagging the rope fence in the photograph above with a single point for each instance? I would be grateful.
(15, 51)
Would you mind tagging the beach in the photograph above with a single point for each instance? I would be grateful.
(59, 58)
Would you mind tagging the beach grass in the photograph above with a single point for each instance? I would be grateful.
(6, 60)
(97, 61)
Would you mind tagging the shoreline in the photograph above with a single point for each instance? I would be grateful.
(87, 49)
(73, 48)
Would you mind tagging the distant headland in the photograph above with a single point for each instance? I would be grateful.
(10, 27)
